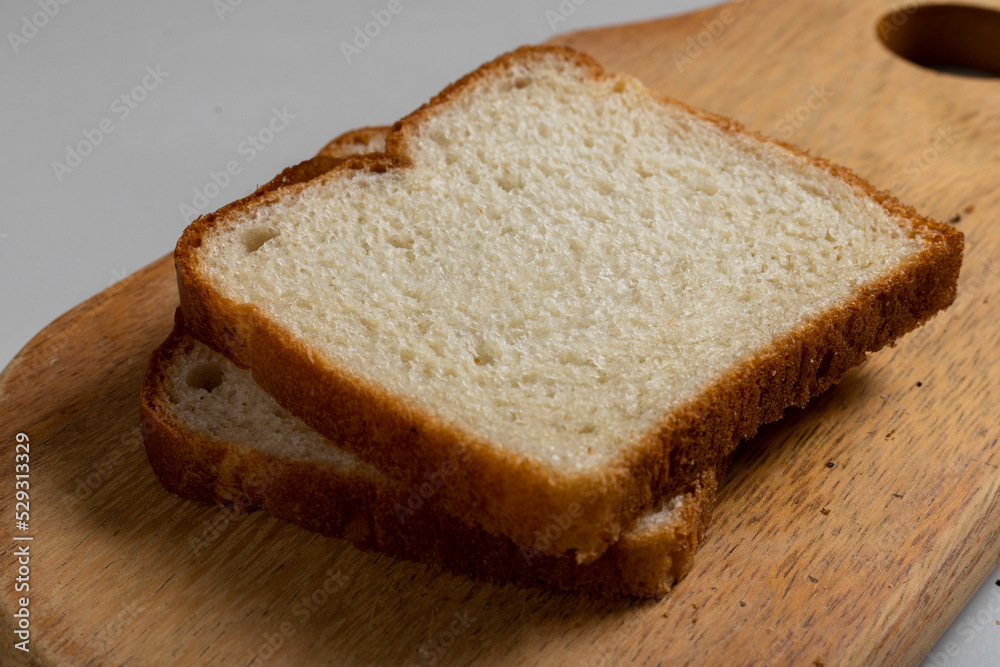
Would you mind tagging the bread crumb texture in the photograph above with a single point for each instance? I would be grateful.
(565, 260)
(209, 395)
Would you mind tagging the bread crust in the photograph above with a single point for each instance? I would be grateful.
(520, 498)
(355, 142)
(332, 154)
(375, 514)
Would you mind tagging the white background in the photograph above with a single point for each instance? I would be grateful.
(67, 236)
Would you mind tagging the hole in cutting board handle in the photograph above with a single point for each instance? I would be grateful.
(953, 39)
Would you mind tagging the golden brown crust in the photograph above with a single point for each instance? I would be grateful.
(355, 142)
(331, 155)
(300, 173)
(374, 513)
(517, 497)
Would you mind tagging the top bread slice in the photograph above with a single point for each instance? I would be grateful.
(559, 292)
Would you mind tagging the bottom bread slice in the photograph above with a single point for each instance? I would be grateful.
(212, 435)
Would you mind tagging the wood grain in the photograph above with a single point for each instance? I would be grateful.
(852, 532)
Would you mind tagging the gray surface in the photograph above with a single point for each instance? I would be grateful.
(67, 236)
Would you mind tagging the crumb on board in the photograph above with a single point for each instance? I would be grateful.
(742, 603)
(812, 578)
(666, 614)
(825, 511)
(890, 434)
(897, 495)
(919, 383)
(819, 662)
(830, 464)
(955, 219)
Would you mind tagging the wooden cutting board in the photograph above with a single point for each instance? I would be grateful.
(852, 532)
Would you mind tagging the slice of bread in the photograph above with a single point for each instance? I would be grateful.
(565, 290)
(212, 435)
(356, 142)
